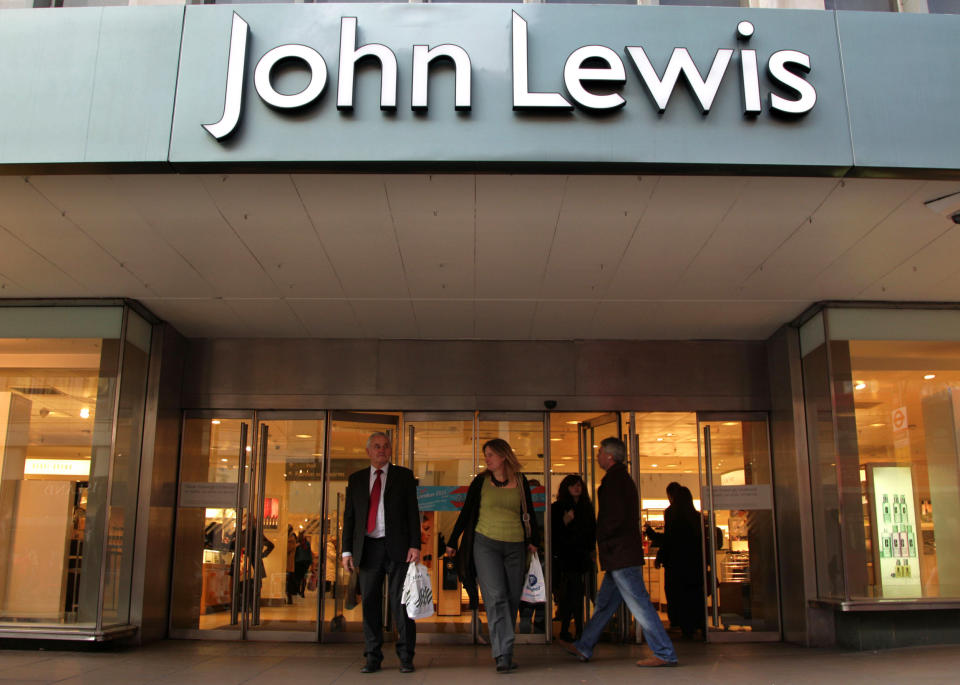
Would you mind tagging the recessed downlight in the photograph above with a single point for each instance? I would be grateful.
(929, 376)
(859, 385)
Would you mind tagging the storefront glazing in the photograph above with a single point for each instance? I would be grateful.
(72, 390)
(881, 391)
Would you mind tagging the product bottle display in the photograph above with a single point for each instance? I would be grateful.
(885, 550)
(886, 509)
(903, 541)
(898, 573)
(911, 542)
(896, 508)
(904, 516)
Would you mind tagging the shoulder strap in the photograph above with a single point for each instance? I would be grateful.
(525, 515)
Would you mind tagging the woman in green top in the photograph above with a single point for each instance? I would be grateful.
(498, 530)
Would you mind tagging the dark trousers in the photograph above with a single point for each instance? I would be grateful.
(570, 596)
(501, 567)
(375, 564)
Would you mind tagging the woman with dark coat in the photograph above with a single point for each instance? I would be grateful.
(681, 554)
(574, 534)
(498, 529)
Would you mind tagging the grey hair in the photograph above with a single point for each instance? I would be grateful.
(378, 434)
(615, 448)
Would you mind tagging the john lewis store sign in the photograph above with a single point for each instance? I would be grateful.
(481, 83)
(590, 65)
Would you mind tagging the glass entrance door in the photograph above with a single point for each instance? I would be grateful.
(248, 520)
(740, 541)
(285, 533)
(347, 440)
(443, 454)
(592, 433)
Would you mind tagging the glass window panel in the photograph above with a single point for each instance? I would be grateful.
(943, 6)
(125, 480)
(823, 474)
(443, 461)
(56, 419)
(901, 414)
(862, 5)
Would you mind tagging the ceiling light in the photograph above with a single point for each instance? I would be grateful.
(659, 439)
(860, 385)
(877, 425)
(669, 435)
(573, 423)
(317, 454)
(729, 423)
(303, 435)
(555, 439)
(216, 422)
(929, 376)
(85, 413)
(653, 466)
(224, 459)
(249, 449)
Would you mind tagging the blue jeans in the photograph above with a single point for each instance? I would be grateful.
(626, 584)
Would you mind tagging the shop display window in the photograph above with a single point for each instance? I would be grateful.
(70, 434)
(887, 467)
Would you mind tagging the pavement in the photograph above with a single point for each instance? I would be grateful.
(258, 663)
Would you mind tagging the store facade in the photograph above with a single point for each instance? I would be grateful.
(219, 400)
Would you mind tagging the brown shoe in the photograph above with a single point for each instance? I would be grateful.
(654, 662)
(570, 649)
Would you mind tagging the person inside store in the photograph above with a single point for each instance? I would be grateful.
(498, 532)
(681, 554)
(293, 587)
(574, 536)
(381, 536)
(302, 561)
(621, 555)
(251, 590)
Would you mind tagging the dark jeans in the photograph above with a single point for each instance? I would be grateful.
(375, 564)
(500, 570)
(571, 591)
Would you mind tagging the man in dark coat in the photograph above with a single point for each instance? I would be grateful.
(620, 545)
(381, 536)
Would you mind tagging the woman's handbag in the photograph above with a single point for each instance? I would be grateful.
(417, 595)
(534, 589)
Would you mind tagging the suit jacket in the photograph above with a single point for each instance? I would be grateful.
(400, 513)
(619, 541)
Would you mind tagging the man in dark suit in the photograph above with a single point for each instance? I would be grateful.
(381, 536)
(620, 545)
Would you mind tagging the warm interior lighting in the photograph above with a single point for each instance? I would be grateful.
(555, 439)
(877, 425)
(303, 435)
(860, 385)
(85, 413)
(929, 376)
(659, 439)
(216, 422)
(224, 459)
(729, 423)
(653, 466)
(573, 423)
(669, 435)
(56, 467)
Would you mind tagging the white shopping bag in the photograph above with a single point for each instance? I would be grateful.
(534, 589)
(417, 594)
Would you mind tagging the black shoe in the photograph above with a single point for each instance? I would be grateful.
(505, 664)
(407, 667)
(371, 666)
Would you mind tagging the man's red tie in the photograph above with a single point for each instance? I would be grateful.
(374, 502)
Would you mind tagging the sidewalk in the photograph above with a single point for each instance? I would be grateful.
(229, 663)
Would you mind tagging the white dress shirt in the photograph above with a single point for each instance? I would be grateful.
(380, 529)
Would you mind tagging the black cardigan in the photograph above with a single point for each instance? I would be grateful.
(466, 525)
